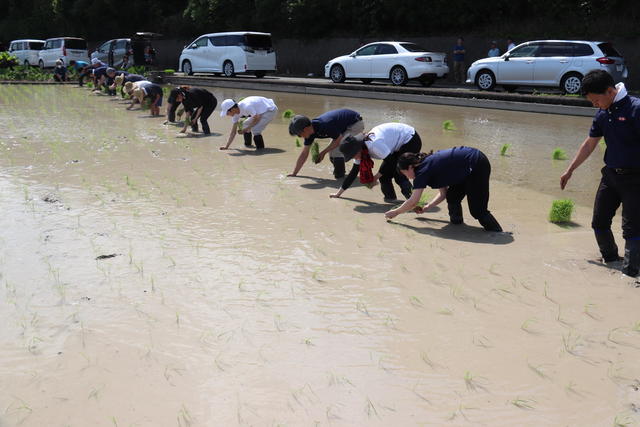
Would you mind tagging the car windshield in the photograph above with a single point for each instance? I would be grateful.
(36, 45)
(258, 41)
(609, 50)
(412, 47)
(75, 44)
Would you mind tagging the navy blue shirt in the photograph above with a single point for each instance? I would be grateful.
(620, 126)
(332, 124)
(446, 167)
(133, 78)
(100, 71)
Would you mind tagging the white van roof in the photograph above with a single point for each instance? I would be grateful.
(26, 40)
(236, 33)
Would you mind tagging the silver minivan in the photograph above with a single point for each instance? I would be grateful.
(26, 50)
(63, 48)
(548, 63)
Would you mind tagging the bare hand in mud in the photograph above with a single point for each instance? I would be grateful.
(564, 179)
(334, 196)
(292, 174)
(418, 209)
(320, 157)
(223, 148)
(390, 214)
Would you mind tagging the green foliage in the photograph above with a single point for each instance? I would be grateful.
(7, 60)
(241, 123)
(448, 125)
(504, 149)
(558, 154)
(561, 211)
(137, 69)
(424, 199)
(169, 71)
(298, 142)
(287, 114)
(24, 74)
(315, 152)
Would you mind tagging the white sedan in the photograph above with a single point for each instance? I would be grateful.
(396, 61)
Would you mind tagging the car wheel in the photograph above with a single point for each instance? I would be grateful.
(367, 81)
(510, 88)
(26, 63)
(41, 64)
(227, 69)
(571, 83)
(427, 82)
(186, 68)
(337, 74)
(260, 74)
(485, 80)
(398, 76)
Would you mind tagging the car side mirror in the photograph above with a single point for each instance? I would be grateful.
(353, 55)
(193, 46)
(506, 57)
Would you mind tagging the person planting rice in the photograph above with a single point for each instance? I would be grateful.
(150, 91)
(82, 68)
(99, 78)
(618, 121)
(258, 111)
(198, 104)
(122, 79)
(456, 172)
(60, 72)
(387, 142)
(334, 124)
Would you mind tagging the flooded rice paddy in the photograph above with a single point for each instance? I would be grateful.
(149, 279)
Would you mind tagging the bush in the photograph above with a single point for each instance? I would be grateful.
(24, 73)
(137, 69)
(169, 71)
(561, 211)
(7, 61)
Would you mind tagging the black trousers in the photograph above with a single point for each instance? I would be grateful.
(614, 190)
(207, 109)
(475, 187)
(389, 169)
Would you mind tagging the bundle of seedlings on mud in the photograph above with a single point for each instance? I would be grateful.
(287, 114)
(504, 149)
(561, 211)
(145, 104)
(241, 123)
(315, 152)
(558, 154)
(298, 142)
(424, 199)
(448, 125)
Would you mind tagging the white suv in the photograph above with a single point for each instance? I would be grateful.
(26, 50)
(229, 53)
(548, 63)
(63, 48)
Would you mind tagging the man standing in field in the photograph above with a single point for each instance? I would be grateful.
(618, 121)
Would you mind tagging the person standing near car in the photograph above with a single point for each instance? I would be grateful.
(618, 121)
(198, 104)
(459, 52)
(510, 44)
(386, 142)
(493, 50)
(258, 111)
(334, 124)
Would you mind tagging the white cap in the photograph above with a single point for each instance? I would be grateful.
(94, 61)
(225, 106)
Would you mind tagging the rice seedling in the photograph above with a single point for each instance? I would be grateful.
(523, 403)
(287, 114)
(482, 341)
(448, 125)
(527, 326)
(446, 311)
(612, 336)
(425, 358)
(546, 293)
(362, 308)
(298, 142)
(472, 382)
(416, 302)
(558, 154)
(589, 311)
(571, 389)
(561, 211)
(308, 342)
(504, 149)
(623, 420)
(571, 343)
(370, 408)
(538, 370)
(315, 152)
(184, 417)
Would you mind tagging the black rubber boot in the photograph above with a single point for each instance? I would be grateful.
(631, 262)
(489, 222)
(259, 141)
(607, 245)
(338, 167)
(406, 189)
(388, 190)
(455, 214)
(194, 126)
(247, 139)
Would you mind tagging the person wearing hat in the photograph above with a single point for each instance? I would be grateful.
(122, 79)
(150, 91)
(385, 142)
(334, 124)
(258, 111)
(60, 72)
(456, 173)
(198, 104)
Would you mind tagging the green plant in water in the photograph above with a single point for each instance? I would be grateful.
(504, 149)
(298, 142)
(561, 211)
(315, 152)
(287, 114)
(424, 199)
(558, 154)
(448, 125)
(241, 123)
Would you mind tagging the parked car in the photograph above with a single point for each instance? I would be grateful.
(229, 53)
(547, 63)
(63, 48)
(396, 61)
(26, 50)
(127, 52)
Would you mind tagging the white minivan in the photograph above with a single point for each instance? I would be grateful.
(26, 50)
(63, 48)
(229, 53)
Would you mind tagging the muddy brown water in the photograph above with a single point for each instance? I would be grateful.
(239, 296)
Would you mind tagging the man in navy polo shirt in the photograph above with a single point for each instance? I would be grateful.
(618, 121)
(334, 124)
